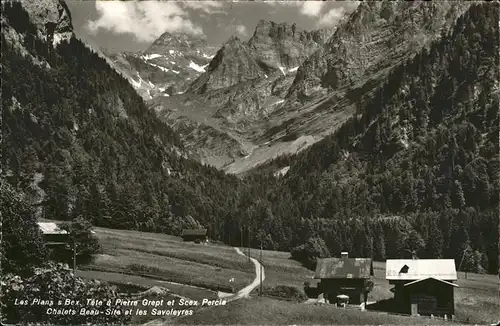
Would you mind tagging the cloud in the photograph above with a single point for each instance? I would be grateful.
(145, 20)
(332, 17)
(242, 30)
(311, 8)
(308, 8)
(208, 7)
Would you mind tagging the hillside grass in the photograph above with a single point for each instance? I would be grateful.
(143, 283)
(266, 311)
(168, 258)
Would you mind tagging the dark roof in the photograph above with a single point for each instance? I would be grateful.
(343, 268)
(194, 232)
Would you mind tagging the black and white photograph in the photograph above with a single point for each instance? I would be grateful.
(250, 162)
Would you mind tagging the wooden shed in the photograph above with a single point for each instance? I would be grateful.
(194, 235)
(423, 286)
(344, 276)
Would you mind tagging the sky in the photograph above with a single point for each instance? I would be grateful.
(118, 26)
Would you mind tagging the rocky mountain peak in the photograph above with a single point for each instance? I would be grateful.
(281, 45)
(232, 64)
(52, 18)
(179, 42)
(376, 36)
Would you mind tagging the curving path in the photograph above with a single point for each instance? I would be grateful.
(245, 292)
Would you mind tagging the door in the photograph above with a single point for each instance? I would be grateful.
(414, 309)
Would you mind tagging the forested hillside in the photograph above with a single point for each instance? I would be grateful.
(79, 141)
(415, 170)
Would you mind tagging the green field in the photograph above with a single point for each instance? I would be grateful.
(266, 311)
(168, 258)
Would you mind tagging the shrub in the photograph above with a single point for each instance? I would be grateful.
(55, 283)
(285, 292)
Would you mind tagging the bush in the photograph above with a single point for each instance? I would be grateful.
(285, 292)
(309, 252)
(54, 284)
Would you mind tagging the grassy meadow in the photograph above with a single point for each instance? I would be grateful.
(168, 258)
(266, 311)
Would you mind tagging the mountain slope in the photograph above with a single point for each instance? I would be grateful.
(243, 84)
(306, 95)
(78, 140)
(417, 168)
(378, 35)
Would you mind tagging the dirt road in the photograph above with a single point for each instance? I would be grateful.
(245, 292)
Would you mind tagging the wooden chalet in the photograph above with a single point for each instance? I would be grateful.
(343, 276)
(194, 235)
(52, 234)
(423, 286)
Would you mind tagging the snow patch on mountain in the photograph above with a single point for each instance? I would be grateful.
(282, 172)
(293, 69)
(282, 70)
(58, 38)
(196, 67)
(159, 67)
(151, 56)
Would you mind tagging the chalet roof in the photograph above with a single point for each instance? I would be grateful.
(50, 228)
(417, 269)
(430, 278)
(194, 232)
(337, 268)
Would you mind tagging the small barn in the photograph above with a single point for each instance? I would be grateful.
(52, 234)
(423, 286)
(343, 276)
(194, 235)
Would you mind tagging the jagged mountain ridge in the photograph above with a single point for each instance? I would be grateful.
(273, 48)
(285, 112)
(167, 67)
(232, 64)
(379, 34)
(279, 46)
(244, 82)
